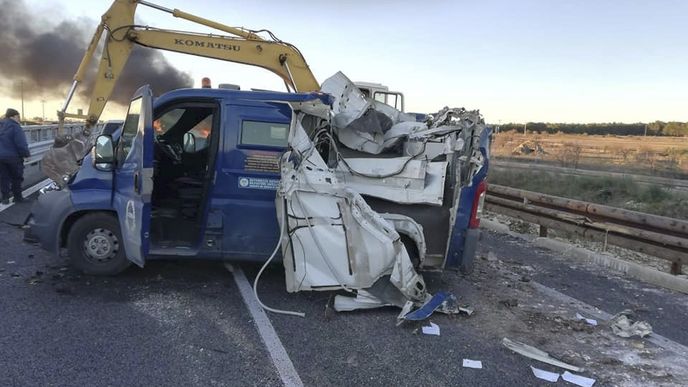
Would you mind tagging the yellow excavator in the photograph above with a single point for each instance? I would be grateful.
(240, 46)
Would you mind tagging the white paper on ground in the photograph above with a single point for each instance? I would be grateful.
(590, 321)
(433, 329)
(577, 379)
(545, 375)
(468, 363)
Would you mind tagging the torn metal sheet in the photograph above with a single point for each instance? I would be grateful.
(545, 375)
(441, 301)
(433, 329)
(63, 160)
(418, 182)
(363, 300)
(468, 363)
(362, 123)
(577, 379)
(536, 354)
(589, 321)
(623, 326)
(334, 239)
(382, 293)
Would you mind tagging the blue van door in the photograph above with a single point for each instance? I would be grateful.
(255, 138)
(133, 181)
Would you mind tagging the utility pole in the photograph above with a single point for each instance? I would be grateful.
(525, 126)
(43, 105)
(645, 130)
(22, 99)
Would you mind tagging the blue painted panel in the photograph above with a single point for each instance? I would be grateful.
(247, 178)
(458, 236)
(130, 199)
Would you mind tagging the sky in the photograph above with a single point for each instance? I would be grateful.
(515, 61)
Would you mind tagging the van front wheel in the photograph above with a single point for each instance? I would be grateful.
(95, 245)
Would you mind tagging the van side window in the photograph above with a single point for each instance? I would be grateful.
(131, 127)
(264, 133)
(167, 121)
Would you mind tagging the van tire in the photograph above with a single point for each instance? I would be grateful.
(94, 244)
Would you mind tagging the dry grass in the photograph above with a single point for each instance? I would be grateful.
(666, 156)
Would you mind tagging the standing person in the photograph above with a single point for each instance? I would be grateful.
(13, 150)
(205, 83)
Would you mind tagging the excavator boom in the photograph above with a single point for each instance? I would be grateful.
(121, 33)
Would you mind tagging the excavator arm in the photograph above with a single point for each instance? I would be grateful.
(240, 46)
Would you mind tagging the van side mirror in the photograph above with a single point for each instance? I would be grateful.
(104, 151)
(189, 143)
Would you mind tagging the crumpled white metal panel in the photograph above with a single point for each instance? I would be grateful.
(334, 239)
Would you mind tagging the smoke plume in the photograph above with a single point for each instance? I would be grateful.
(43, 57)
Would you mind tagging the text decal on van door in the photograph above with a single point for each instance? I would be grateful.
(258, 183)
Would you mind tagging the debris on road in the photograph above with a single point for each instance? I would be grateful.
(492, 257)
(590, 321)
(467, 310)
(545, 375)
(577, 379)
(623, 326)
(509, 302)
(536, 354)
(442, 302)
(468, 363)
(433, 329)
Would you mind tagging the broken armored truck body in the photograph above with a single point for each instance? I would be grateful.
(358, 191)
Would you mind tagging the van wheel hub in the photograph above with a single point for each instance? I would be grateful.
(101, 245)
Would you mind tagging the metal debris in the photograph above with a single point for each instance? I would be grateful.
(433, 329)
(577, 379)
(441, 301)
(623, 326)
(509, 302)
(536, 354)
(590, 321)
(468, 363)
(545, 375)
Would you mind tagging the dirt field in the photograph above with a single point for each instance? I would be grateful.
(666, 156)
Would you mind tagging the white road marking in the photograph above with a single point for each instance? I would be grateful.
(654, 338)
(278, 353)
(27, 192)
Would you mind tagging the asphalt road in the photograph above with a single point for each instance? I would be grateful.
(184, 323)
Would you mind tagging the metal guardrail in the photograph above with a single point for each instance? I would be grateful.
(41, 138)
(660, 236)
(41, 133)
(37, 149)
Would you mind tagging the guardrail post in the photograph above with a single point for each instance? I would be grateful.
(676, 268)
(543, 231)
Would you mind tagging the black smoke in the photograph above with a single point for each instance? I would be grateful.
(42, 57)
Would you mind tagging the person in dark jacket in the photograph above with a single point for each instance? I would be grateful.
(13, 150)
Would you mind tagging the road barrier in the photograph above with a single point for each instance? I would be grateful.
(41, 138)
(660, 236)
(42, 133)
